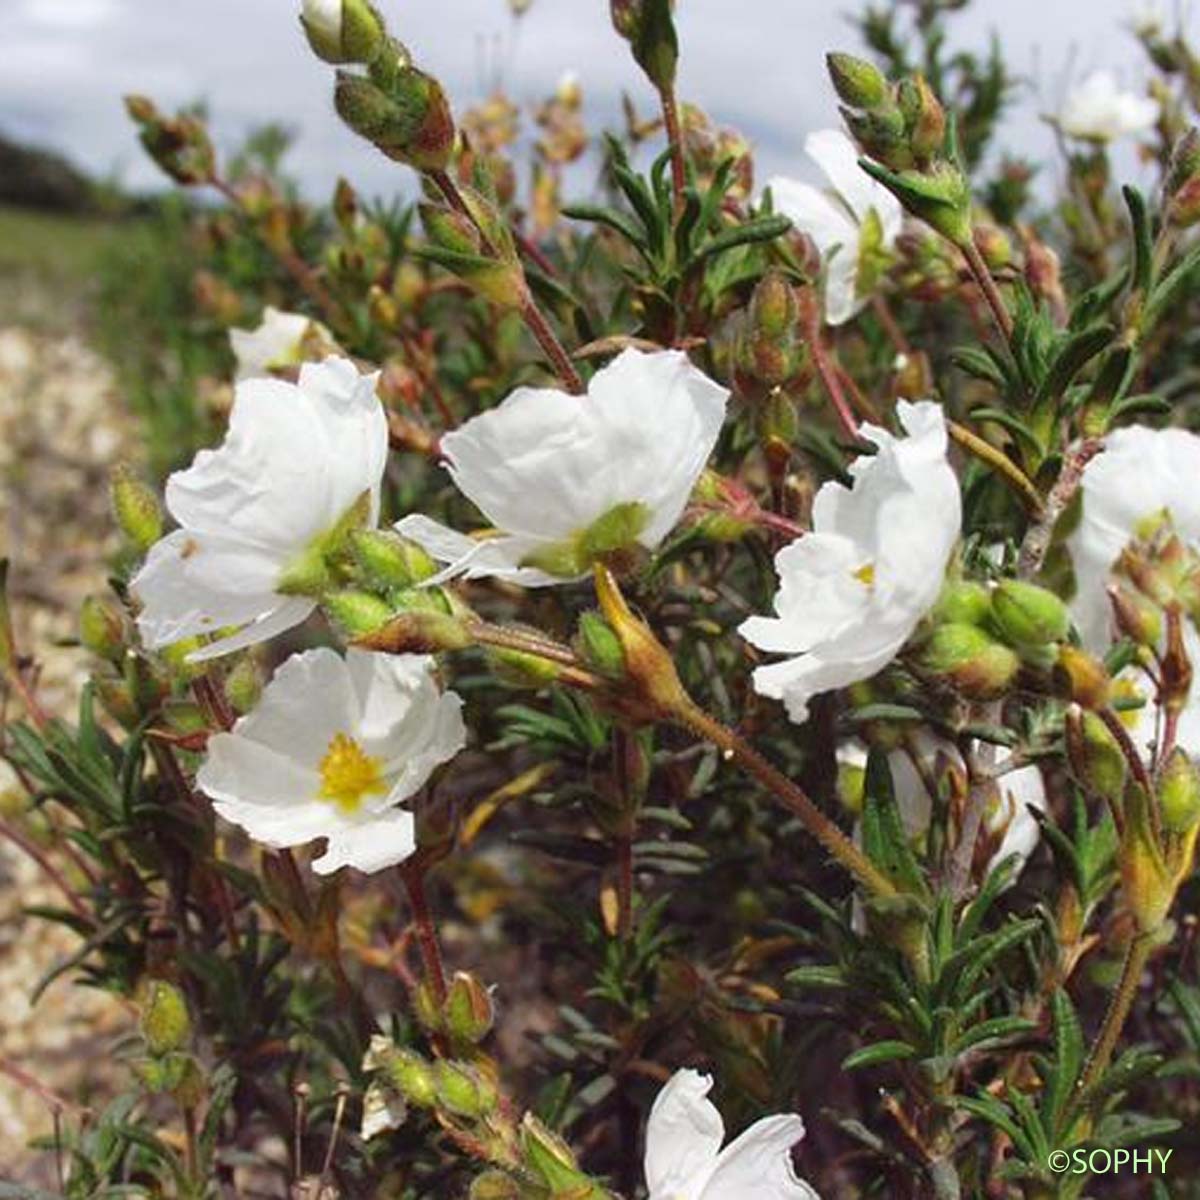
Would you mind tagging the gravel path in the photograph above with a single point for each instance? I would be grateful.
(60, 430)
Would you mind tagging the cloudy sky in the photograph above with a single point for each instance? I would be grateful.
(755, 64)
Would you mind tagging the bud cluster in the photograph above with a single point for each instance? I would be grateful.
(179, 145)
(911, 145)
(166, 1030)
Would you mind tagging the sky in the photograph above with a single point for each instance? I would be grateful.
(753, 64)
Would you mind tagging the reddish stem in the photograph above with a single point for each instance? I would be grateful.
(412, 874)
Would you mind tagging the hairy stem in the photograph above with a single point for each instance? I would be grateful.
(412, 875)
(670, 110)
(987, 285)
(1009, 471)
(1118, 1011)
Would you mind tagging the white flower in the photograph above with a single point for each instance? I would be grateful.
(334, 745)
(1142, 473)
(563, 477)
(852, 591)
(298, 460)
(280, 340)
(684, 1159)
(1097, 111)
(860, 218)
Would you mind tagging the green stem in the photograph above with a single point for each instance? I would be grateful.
(791, 795)
(1118, 1011)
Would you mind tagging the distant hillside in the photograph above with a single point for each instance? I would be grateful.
(36, 178)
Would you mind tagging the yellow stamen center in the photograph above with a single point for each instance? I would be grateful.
(866, 574)
(348, 774)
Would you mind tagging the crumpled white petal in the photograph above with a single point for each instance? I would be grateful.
(545, 466)
(277, 341)
(295, 461)
(684, 1159)
(265, 774)
(852, 591)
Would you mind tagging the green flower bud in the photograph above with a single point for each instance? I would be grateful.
(965, 602)
(410, 121)
(411, 1076)
(1096, 760)
(851, 787)
(519, 669)
(243, 685)
(1145, 877)
(598, 646)
(356, 613)
(450, 230)
(102, 628)
(1136, 615)
(469, 1009)
(179, 145)
(419, 632)
(136, 508)
(1179, 793)
(342, 31)
(1082, 678)
(648, 27)
(1028, 615)
(462, 1090)
(550, 1158)
(495, 1185)
(882, 134)
(965, 657)
(164, 1017)
(927, 125)
(385, 559)
(770, 350)
(857, 82)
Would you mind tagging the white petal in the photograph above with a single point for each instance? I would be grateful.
(816, 214)
(383, 841)
(842, 300)
(838, 157)
(473, 558)
(274, 343)
(683, 1135)
(325, 16)
(759, 1164)
(293, 611)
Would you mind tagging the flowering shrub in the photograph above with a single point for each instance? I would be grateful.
(707, 629)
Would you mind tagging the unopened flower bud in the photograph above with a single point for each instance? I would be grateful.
(1096, 760)
(1145, 877)
(882, 134)
(411, 1076)
(648, 27)
(926, 119)
(1027, 615)
(1175, 669)
(552, 1161)
(449, 229)
(965, 657)
(164, 1017)
(463, 1090)
(495, 1185)
(342, 31)
(598, 646)
(388, 560)
(469, 1009)
(102, 628)
(965, 602)
(1183, 179)
(1179, 793)
(857, 82)
(1136, 615)
(993, 245)
(356, 613)
(243, 685)
(419, 632)
(179, 145)
(1082, 677)
(771, 349)
(1043, 272)
(136, 508)
(410, 121)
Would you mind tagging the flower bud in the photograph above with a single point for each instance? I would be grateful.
(342, 31)
(102, 628)
(469, 1009)
(771, 350)
(1179, 793)
(550, 1158)
(598, 646)
(927, 123)
(356, 613)
(495, 1185)
(1182, 186)
(965, 657)
(1136, 615)
(1145, 877)
(1082, 678)
(179, 145)
(410, 121)
(136, 508)
(1096, 759)
(410, 1075)
(965, 602)
(1028, 615)
(386, 559)
(650, 31)
(419, 632)
(243, 685)
(164, 1017)
(882, 134)
(857, 82)
(463, 1090)
(1175, 668)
